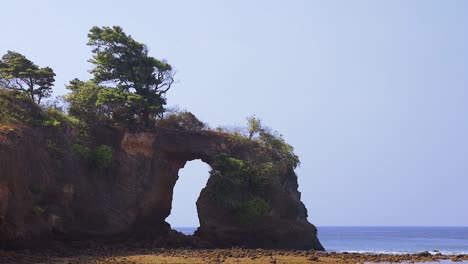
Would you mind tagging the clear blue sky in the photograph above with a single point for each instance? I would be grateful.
(373, 95)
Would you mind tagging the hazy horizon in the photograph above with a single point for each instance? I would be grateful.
(372, 94)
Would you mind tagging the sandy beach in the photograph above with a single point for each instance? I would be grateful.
(111, 255)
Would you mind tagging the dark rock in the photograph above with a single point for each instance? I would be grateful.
(50, 195)
(424, 254)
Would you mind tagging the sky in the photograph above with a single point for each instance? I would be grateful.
(373, 95)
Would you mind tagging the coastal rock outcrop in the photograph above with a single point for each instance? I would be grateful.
(49, 193)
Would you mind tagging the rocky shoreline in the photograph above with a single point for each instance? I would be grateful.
(105, 254)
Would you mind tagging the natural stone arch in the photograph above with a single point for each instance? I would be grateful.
(192, 179)
(285, 227)
(132, 198)
(167, 152)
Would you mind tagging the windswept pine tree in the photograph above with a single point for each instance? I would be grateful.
(19, 73)
(133, 80)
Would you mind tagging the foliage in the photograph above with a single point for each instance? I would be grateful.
(38, 210)
(102, 156)
(182, 121)
(123, 64)
(232, 130)
(254, 125)
(82, 101)
(228, 176)
(278, 147)
(271, 142)
(19, 73)
(236, 186)
(121, 106)
(247, 180)
(51, 123)
(81, 151)
(56, 118)
(266, 179)
(93, 103)
(241, 139)
(251, 210)
(18, 108)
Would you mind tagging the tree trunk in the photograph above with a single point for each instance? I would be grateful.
(145, 117)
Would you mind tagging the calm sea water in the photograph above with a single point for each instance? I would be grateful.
(395, 240)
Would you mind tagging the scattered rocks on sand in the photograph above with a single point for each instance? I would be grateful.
(112, 254)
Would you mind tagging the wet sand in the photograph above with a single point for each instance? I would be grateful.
(105, 255)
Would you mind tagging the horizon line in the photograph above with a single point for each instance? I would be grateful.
(358, 226)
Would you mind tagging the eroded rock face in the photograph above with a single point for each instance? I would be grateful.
(49, 193)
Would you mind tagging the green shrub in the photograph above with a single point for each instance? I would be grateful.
(51, 123)
(55, 118)
(102, 156)
(18, 108)
(81, 151)
(123, 107)
(252, 210)
(82, 101)
(240, 139)
(38, 210)
(182, 121)
(268, 145)
(243, 187)
(265, 178)
(254, 126)
(276, 145)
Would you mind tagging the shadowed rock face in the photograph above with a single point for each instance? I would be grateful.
(48, 193)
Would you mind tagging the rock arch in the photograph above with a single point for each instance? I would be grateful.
(133, 197)
(285, 227)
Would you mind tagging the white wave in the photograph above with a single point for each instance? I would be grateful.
(399, 252)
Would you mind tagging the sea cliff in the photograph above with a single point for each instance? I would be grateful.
(54, 189)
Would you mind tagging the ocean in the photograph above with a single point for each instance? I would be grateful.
(391, 240)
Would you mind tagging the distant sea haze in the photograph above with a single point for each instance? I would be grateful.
(391, 240)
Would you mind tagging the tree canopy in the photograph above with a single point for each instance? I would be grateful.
(254, 126)
(19, 73)
(133, 79)
(82, 101)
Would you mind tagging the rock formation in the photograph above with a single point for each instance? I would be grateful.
(47, 192)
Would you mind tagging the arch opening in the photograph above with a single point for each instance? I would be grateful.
(193, 177)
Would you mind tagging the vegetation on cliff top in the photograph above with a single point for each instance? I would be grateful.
(17, 108)
(247, 180)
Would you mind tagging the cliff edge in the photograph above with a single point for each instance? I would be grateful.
(54, 189)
